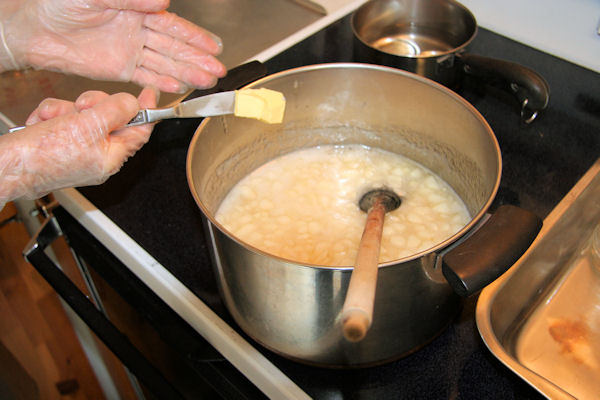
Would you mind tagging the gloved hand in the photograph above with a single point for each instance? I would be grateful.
(70, 144)
(124, 40)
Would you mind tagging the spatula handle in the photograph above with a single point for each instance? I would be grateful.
(149, 115)
(144, 116)
(357, 312)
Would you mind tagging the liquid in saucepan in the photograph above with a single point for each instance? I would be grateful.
(303, 206)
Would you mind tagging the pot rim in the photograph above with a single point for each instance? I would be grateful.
(438, 248)
(454, 51)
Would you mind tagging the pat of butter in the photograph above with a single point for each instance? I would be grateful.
(263, 104)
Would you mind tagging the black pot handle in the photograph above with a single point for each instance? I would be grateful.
(490, 250)
(530, 88)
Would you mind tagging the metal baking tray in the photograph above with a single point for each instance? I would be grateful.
(542, 318)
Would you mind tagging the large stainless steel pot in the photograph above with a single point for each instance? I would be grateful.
(431, 38)
(294, 309)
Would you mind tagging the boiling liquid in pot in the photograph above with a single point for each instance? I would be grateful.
(303, 206)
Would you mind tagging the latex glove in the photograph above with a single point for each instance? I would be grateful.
(70, 144)
(124, 40)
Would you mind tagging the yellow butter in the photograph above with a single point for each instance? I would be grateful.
(264, 104)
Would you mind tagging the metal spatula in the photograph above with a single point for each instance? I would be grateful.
(205, 106)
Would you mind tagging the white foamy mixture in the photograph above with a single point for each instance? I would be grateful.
(303, 206)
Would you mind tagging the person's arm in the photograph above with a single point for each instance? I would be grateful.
(7, 59)
(124, 40)
(70, 144)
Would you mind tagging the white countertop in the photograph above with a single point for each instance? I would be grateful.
(564, 28)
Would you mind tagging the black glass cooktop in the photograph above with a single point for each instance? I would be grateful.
(149, 199)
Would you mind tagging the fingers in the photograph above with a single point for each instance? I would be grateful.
(51, 108)
(143, 76)
(113, 111)
(195, 75)
(48, 109)
(178, 50)
(138, 5)
(125, 142)
(179, 28)
(148, 97)
(89, 99)
(178, 54)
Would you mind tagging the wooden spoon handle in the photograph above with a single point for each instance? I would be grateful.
(357, 312)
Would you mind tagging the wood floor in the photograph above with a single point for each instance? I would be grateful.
(40, 356)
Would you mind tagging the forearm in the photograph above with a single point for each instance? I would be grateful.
(7, 58)
(13, 182)
(20, 29)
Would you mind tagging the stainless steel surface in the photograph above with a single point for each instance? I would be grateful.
(388, 198)
(418, 36)
(542, 318)
(205, 106)
(5, 124)
(294, 309)
(312, 5)
(430, 38)
(246, 28)
(414, 28)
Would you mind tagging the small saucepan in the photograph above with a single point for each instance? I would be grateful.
(430, 38)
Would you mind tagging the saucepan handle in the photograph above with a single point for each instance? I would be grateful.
(490, 250)
(530, 88)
